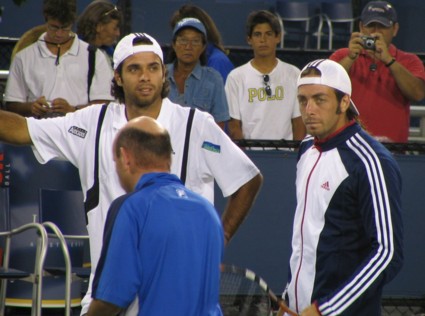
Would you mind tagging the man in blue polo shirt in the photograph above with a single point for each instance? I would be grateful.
(162, 243)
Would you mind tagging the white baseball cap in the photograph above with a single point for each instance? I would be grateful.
(332, 75)
(135, 43)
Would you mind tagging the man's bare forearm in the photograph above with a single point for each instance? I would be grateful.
(23, 109)
(238, 206)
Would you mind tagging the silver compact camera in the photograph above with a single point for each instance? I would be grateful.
(369, 42)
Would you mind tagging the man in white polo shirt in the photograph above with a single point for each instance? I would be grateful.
(141, 87)
(51, 76)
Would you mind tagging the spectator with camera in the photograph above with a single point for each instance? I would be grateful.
(385, 79)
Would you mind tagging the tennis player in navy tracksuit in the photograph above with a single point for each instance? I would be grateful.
(347, 234)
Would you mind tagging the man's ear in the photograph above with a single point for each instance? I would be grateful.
(118, 78)
(248, 40)
(345, 103)
(395, 29)
(125, 158)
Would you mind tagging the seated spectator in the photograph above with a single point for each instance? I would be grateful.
(191, 83)
(162, 240)
(50, 77)
(99, 25)
(385, 79)
(216, 53)
(262, 94)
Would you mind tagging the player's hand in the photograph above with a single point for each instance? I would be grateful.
(381, 51)
(310, 311)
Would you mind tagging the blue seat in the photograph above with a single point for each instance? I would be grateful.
(295, 19)
(9, 274)
(336, 23)
(62, 212)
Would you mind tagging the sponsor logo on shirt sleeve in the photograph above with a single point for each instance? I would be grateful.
(77, 131)
(211, 147)
(181, 193)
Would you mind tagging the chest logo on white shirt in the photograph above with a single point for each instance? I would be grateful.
(211, 147)
(77, 131)
(259, 94)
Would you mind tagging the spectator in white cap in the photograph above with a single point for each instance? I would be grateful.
(202, 152)
(192, 83)
(347, 233)
(385, 79)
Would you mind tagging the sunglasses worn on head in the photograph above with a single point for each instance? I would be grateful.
(266, 80)
(110, 11)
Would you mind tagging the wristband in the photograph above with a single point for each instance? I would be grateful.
(390, 63)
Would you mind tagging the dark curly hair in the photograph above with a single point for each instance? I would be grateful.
(65, 11)
(260, 17)
(118, 92)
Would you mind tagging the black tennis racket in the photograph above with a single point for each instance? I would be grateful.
(243, 293)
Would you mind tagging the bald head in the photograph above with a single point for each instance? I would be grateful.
(141, 146)
(146, 124)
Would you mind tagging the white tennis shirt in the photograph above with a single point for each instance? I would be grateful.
(33, 73)
(212, 155)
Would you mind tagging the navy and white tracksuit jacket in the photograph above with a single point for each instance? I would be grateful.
(347, 234)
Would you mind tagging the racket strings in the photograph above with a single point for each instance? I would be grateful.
(240, 296)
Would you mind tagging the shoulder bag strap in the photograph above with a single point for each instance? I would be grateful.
(92, 62)
(186, 145)
(92, 196)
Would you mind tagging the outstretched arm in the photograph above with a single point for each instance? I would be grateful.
(24, 109)
(14, 129)
(238, 206)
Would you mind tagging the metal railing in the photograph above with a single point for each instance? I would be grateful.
(417, 134)
(4, 74)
